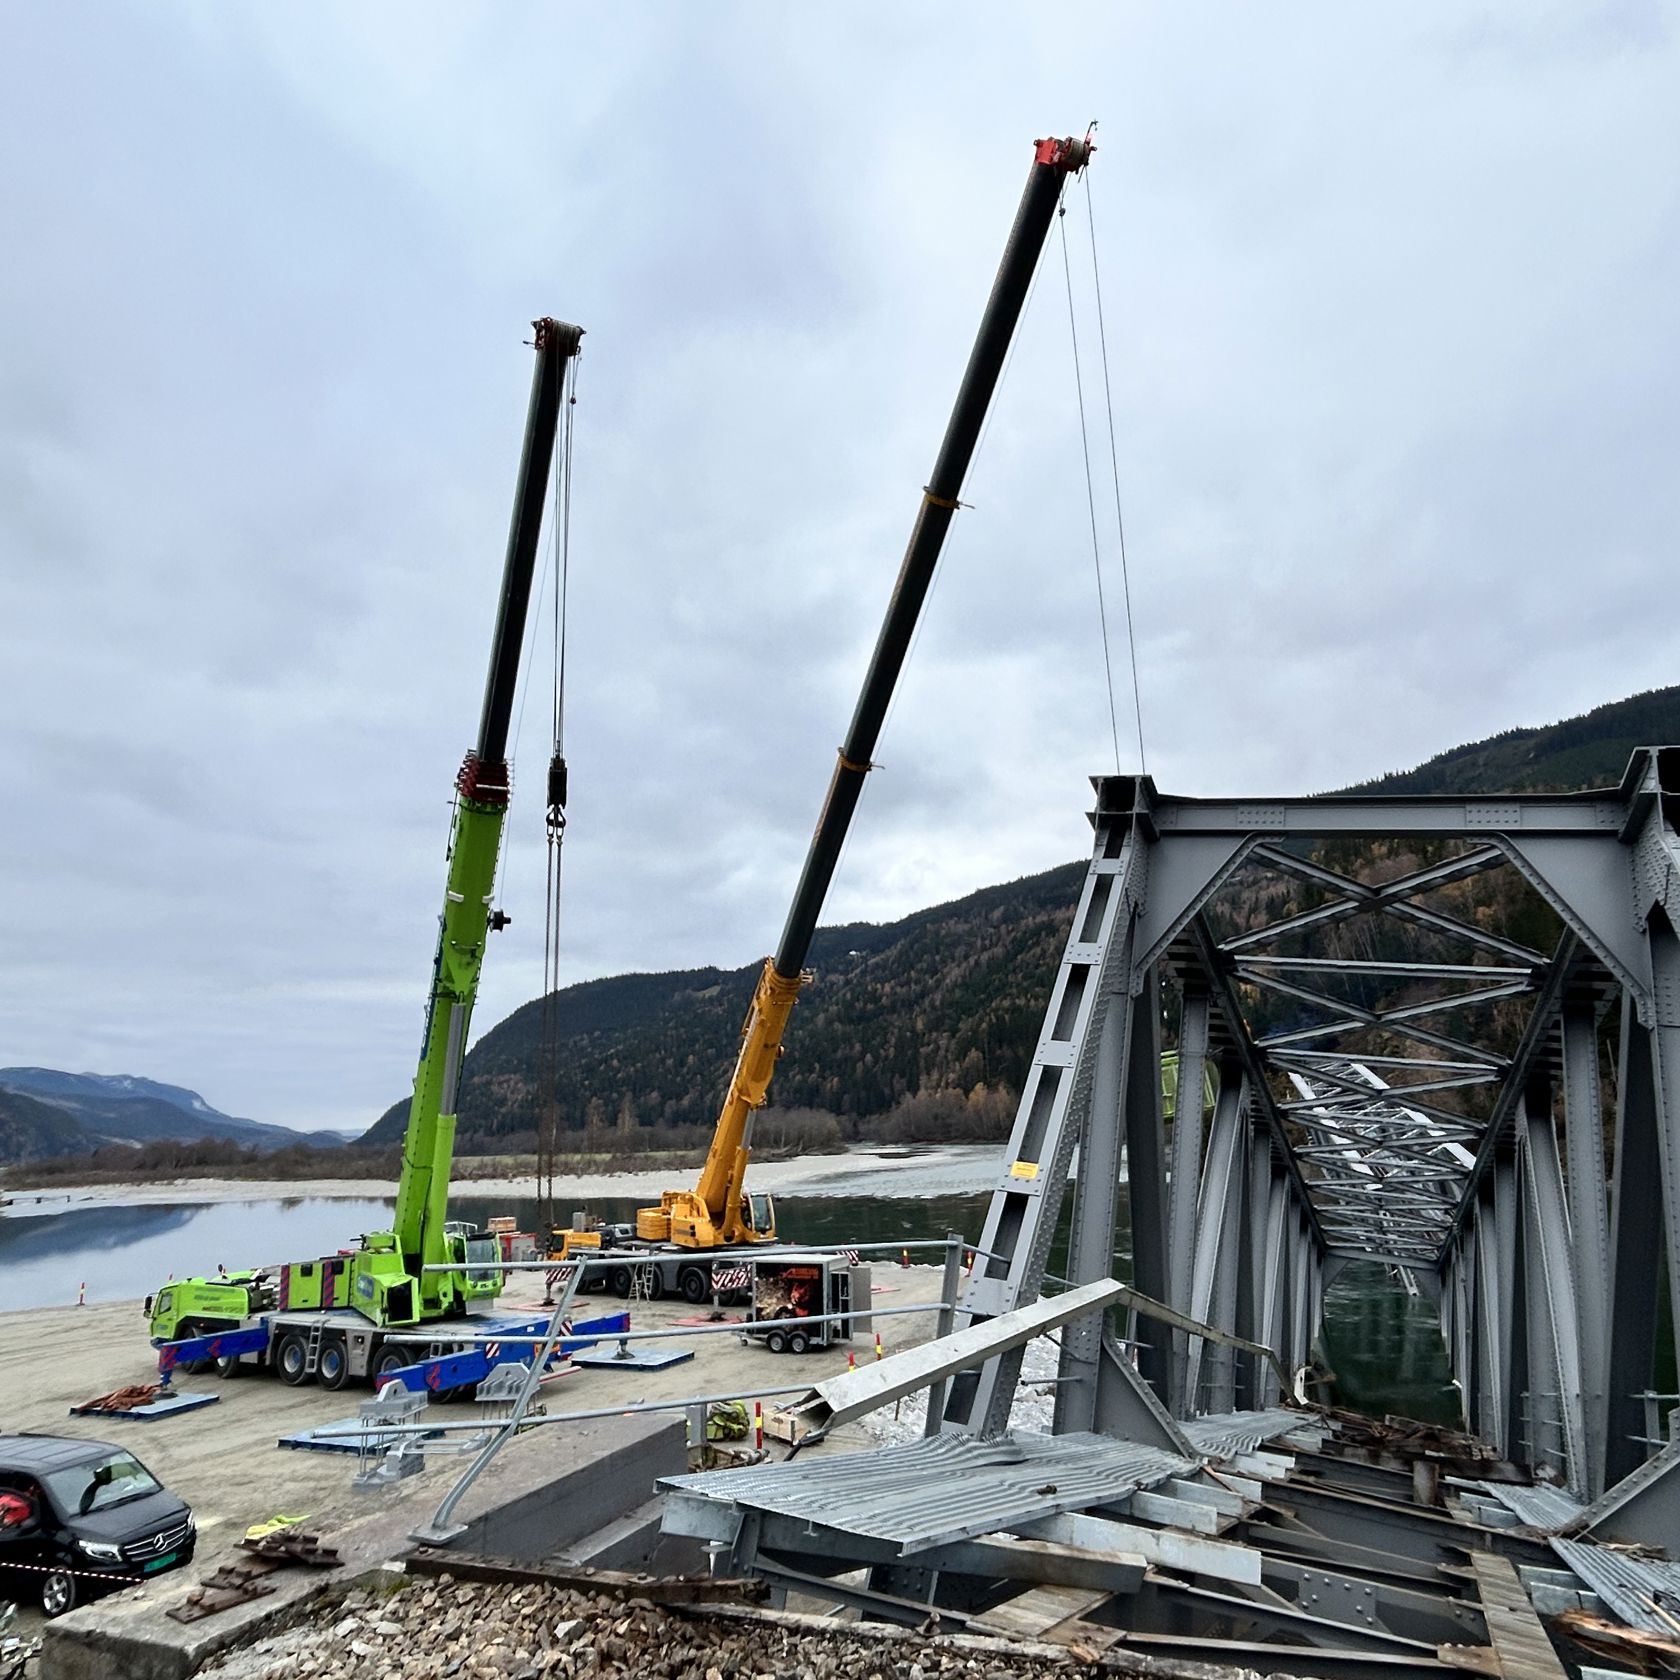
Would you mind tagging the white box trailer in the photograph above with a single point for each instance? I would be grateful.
(807, 1300)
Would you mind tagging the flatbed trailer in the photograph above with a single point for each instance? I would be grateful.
(337, 1347)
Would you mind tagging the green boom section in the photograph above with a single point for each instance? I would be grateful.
(429, 1142)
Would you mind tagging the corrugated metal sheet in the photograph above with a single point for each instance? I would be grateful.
(1222, 1434)
(952, 1487)
(1548, 1509)
(1628, 1585)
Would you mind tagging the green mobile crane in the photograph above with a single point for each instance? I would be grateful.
(386, 1279)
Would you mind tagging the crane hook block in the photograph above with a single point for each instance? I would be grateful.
(557, 782)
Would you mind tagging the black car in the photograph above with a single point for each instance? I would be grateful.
(80, 1518)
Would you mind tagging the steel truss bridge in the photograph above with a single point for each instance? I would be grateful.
(1405, 1029)
(1443, 1112)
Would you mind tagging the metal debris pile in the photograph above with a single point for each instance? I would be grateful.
(438, 1630)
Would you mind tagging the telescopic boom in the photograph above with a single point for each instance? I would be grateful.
(475, 841)
(716, 1212)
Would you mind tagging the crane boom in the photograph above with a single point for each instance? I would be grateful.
(482, 789)
(716, 1211)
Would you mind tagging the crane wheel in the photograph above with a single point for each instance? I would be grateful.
(694, 1284)
(619, 1282)
(776, 1342)
(387, 1363)
(334, 1368)
(798, 1341)
(228, 1367)
(291, 1359)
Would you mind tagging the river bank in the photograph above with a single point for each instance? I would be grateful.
(884, 1171)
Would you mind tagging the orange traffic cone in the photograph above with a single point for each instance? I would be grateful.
(81, 1296)
(877, 1344)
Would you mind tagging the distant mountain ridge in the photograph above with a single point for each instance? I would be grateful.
(45, 1112)
(942, 1000)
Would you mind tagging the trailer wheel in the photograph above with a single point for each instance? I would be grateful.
(776, 1341)
(619, 1281)
(695, 1285)
(334, 1368)
(291, 1359)
(798, 1341)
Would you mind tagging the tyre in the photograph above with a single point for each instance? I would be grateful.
(387, 1363)
(798, 1341)
(655, 1283)
(58, 1592)
(291, 1358)
(695, 1285)
(334, 1369)
(194, 1367)
(619, 1282)
(229, 1366)
(776, 1342)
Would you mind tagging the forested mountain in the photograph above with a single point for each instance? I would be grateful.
(1581, 752)
(941, 1002)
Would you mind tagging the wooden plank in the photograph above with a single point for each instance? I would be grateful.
(1030, 1614)
(1514, 1630)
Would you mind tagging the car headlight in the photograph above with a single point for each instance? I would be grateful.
(101, 1549)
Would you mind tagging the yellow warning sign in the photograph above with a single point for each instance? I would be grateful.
(1024, 1169)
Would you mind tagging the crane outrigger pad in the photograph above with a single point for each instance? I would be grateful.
(166, 1404)
(628, 1358)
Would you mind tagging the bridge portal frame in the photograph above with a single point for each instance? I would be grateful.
(1547, 1280)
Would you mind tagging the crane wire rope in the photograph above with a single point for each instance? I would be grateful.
(1090, 485)
(548, 1060)
(1114, 463)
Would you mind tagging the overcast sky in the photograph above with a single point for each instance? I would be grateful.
(1392, 297)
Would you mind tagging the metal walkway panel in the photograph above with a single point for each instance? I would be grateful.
(946, 1488)
(1225, 1434)
(1548, 1509)
(1627, 1584)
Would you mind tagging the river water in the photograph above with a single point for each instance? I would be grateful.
(1383, 1345)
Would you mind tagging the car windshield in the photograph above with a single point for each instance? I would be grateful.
(100, 1483)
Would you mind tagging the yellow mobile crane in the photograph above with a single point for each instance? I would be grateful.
(718, 1212)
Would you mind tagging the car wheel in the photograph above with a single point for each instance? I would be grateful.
(58, 1592)
(390, 1361)
(776, 1341)
(292, 1359)
(798, 1342)
(621, 1282)
(695, 1285)
(334, 1369)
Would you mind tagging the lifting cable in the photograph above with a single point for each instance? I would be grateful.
(1090, 484)
(548, 1058)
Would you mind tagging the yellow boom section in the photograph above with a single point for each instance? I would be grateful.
(714, 1212)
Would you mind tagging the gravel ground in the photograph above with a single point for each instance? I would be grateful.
(435, 1630)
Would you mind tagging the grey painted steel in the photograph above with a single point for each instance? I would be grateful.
(854, 1393)
(1628, 1585)
(1377, 1115)
(950, 1288)
(1548, 1509)
(1589, 1224)
(937, 1491)
(1644, 1507)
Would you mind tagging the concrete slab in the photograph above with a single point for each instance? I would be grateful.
(548, 1489)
